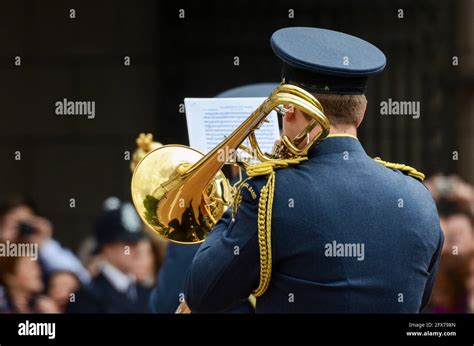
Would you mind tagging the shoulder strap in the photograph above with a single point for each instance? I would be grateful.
(408, 170)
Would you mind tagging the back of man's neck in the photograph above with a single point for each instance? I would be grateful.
(349, 131)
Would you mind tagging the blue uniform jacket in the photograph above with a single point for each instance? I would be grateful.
(348, 236)
(169, 292)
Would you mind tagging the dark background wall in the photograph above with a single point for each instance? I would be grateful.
(172, 58)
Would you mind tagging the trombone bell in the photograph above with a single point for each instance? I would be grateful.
(188, 220)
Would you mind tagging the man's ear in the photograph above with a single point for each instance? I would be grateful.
(361, 118)
(362, 115)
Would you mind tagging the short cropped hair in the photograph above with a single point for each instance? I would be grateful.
(343, 109)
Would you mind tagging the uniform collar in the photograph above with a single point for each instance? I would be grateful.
(120, 281)
(336, 143)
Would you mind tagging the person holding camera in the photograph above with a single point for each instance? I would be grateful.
(19, 222)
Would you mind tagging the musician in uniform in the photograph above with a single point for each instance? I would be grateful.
(349, 233)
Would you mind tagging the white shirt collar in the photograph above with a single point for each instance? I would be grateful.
(119, 280)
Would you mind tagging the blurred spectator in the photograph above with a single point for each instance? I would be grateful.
(61, 285)
(13, 212)
(147, 262)
(452, 189)
(470, 282)
(20, 278)
(115, 289)
(458, 228)
(19, 222)
(454, 286)
(449, 291)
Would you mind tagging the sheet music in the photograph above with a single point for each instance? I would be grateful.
(210, 120)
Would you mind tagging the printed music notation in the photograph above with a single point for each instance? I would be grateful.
(210, 120)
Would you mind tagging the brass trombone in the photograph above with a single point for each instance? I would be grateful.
(181, 193)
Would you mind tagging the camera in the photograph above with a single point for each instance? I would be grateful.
(25, 229)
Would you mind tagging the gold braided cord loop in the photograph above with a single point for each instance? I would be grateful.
(238, 198)
(267, 167)
(264, 219)
(401, 167)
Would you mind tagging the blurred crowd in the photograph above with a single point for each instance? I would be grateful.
(453, 291)
(115, 268)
